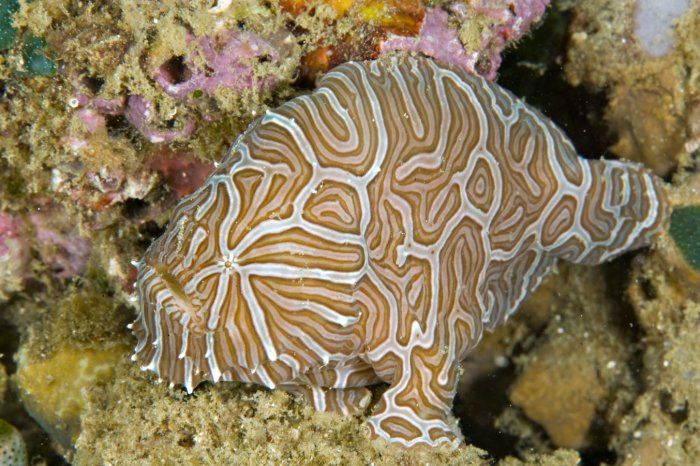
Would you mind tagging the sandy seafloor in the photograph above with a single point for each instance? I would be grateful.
(600, 366)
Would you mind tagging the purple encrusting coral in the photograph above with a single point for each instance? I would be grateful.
(138, 112)
(509, 20)
(436, 39)
(51, 234)
(60, 246)
(222, 61)
(226, 62)
(14, 255)
(135, 109)
(9, 230)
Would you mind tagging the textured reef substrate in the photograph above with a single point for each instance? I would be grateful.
(111, 112)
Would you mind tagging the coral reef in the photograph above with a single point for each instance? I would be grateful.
(436, 39)
(579, 380)
(223, 63)
(470, 35)
(61, 247)
(653, 24)
(43, 386)
(119, 115)
(665, 297)
(34, 59)
(650, 71)
(45, 233)
(229, 424)
(472, 48)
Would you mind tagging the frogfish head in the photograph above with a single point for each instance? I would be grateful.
(187, 290)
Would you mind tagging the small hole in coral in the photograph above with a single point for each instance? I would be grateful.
(172, 123)
(693, 166)
(678, 414)
(134, 208)
(93, 83)
(647, 288)
(175, 70)
(148, 232)
(186, 439)
(208, 71)
(117, 125)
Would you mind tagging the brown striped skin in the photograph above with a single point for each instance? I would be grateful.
(370, 232)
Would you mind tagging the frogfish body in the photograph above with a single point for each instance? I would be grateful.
(369, 232)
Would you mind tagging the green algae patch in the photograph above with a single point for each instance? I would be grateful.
(685, 231)
(7, 31)
(5, 429)
(36, 63)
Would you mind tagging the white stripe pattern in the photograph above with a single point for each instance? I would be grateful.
(371, 231)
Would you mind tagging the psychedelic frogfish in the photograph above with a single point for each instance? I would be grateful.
(369, 232)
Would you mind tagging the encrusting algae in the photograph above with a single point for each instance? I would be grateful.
(96, 153)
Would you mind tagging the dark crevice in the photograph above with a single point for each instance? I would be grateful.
(176, 70)
(133, 208)
(478, 408)
(617, 275)
(148, 232)
(93, 83)
(117, 125)
(597, 456)
(678, 414)
(533, 71)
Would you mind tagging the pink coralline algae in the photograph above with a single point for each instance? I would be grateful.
(14, 255)
(508, 21)
(9, 230)
(137, 110)
(139, 113)
(218, 62)
(58, 242)
(223, 61)
(436, 39)
(50, 234)
(181, 171)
